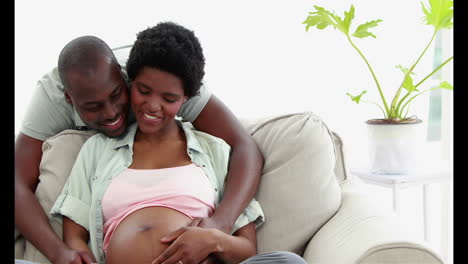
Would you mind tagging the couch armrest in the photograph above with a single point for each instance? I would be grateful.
(360, 232)
(20, 245)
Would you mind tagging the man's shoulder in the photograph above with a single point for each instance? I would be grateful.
(52, 87)
(48, 112)
(51, 81)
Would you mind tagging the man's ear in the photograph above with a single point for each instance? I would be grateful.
(68, 98)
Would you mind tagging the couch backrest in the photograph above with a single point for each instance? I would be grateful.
(299, 191)
(341, 168)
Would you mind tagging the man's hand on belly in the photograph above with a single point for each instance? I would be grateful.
(189, 245)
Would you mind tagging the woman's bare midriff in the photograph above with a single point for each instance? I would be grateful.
(137, 238)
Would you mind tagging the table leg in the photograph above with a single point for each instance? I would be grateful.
(446, 212)
(396, 198)
(426, 211)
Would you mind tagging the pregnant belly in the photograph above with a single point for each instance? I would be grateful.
(137, 238)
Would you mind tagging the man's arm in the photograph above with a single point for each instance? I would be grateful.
(30, 218)
(244, 168)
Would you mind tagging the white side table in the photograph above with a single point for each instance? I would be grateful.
(422, 176)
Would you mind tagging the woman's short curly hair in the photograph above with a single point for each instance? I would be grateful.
(171, 48)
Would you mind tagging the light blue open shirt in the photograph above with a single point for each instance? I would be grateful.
(102, 158)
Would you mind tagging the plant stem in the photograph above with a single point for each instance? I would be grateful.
(385, 114)
(417, 95)
(395, 99)
(397, 110)
(434, 71)
(406, 114)
(372, 72)
(420, 82)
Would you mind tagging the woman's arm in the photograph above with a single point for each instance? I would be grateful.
(245, 166)
(77, 237)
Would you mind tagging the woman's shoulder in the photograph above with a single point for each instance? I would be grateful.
(204, 139)
(97, 138)
(99, 142)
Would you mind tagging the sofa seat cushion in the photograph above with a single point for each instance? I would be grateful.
(298, 190)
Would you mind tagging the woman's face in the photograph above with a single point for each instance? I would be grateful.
(156, 97)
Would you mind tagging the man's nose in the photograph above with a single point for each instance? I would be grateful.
(110, 111)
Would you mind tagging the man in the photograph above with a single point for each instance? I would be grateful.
(82, 93)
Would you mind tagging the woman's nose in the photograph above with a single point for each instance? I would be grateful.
(154, 106)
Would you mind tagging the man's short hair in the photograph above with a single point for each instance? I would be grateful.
(81, 54)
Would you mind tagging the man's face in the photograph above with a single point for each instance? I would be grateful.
(100, 98)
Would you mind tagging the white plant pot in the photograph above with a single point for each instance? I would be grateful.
(394, 148)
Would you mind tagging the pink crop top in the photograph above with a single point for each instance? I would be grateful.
(185, 189)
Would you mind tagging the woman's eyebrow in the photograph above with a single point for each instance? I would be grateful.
(145, 86)
(172, 94)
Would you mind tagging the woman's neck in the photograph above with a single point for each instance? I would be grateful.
(170, 132)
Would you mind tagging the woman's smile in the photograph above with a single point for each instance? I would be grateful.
(151, 118)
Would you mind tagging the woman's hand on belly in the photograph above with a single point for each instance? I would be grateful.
(190, 245)
(137, 239)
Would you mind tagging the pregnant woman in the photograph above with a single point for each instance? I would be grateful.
(132, 197)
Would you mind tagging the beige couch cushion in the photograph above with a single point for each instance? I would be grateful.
(59, 154)
(298, 190)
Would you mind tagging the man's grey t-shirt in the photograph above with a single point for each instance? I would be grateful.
(49, 113)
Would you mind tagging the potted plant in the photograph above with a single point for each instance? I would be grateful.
(390, 137)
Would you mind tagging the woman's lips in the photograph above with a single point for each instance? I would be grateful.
(151, 118)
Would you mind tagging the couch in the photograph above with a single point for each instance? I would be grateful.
(312, 205)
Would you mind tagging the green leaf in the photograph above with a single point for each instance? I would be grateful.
(321, 18)
(403, 69)
(446, 85)
(439, 14)
(362, 30)
(345, 24)
(408, 83)
(356, 98)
